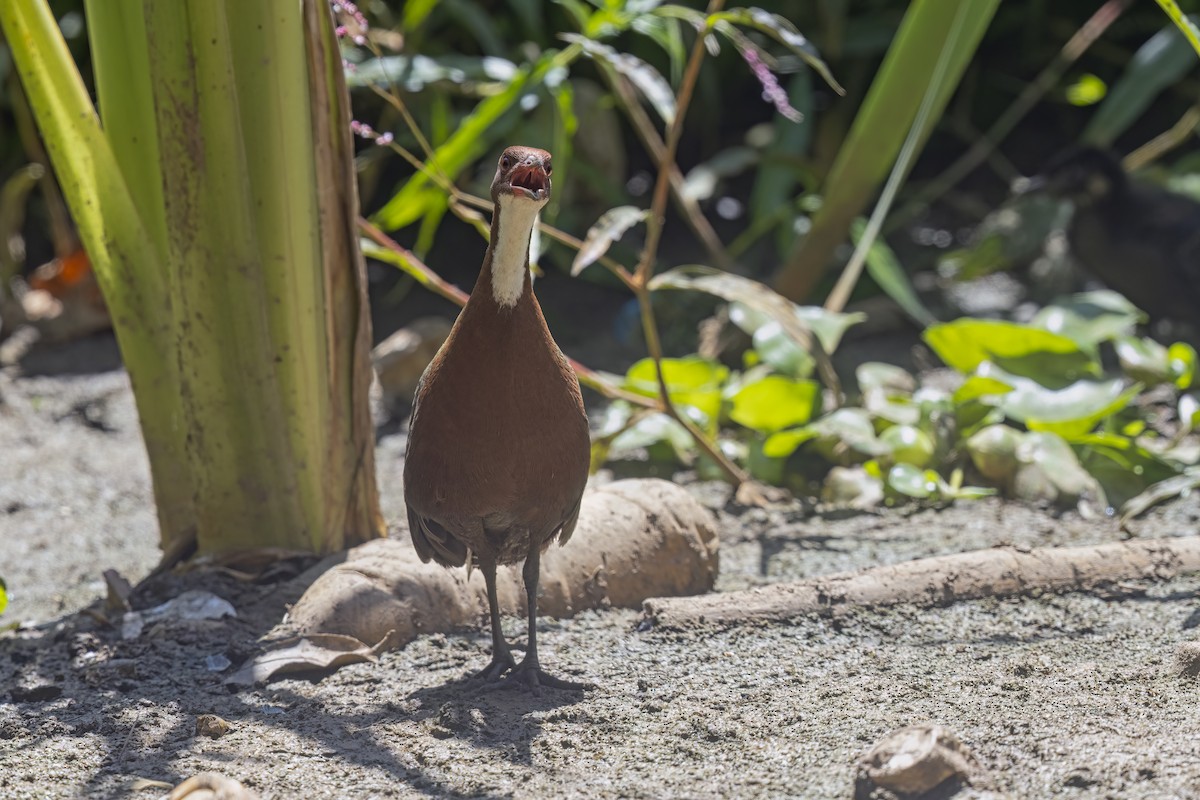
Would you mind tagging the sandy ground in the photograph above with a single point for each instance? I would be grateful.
(1070, 696)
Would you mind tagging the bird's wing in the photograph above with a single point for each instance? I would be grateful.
(568, 526)
(432, 541)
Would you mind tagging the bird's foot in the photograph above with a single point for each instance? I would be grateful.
(500, 664)
(532, 677)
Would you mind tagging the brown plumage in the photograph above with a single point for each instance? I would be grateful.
(498, 445)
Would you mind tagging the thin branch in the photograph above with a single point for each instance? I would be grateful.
(444, 288)
(654, 144)
(1166, 141)
(658, 204)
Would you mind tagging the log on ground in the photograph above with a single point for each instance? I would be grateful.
(635, 539)
(942, 580)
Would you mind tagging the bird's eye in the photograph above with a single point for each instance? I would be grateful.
(505, 162)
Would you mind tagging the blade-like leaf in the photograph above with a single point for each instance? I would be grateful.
(885, 268)
(783, 31)
(645, 78)
(1158, 64)
(882, 124)
(415, 73)
(611, 226)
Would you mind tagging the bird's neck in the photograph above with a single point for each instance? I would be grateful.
(507, 260)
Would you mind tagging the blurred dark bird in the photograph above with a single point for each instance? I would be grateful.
(498, 446)
(1140, 240)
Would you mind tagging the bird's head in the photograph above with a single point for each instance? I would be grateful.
(523, 176)
(1084, 175)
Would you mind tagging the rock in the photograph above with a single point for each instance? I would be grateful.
(401, 358)
(913, 760)
(635, 539)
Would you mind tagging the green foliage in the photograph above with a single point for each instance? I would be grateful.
(3, 595)
(1048, 426)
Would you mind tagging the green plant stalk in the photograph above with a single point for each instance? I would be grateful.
(880, 127)
(840, 295)
(1181, 21)
(240, 305)
(277, 132)
(122, 253)
(351, 438)
(229, 379)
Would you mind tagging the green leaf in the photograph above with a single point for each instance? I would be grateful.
(1123, 468)
(884, 267)
(1090, 318)
(977, 387)
(478, 75)
(783, 31)
(1159, 492)
(611, 226)
(693, 382)
(666, 34)
(652, 430)
(774, 403)
(845, 436)
(777, 349)
(415, 12)
(1073, 410)
(993, 451)
(1049, 462)
(1049, 358)
(1144, 360)
(852, 487)
(1157, 65)
(1181, 364)
(913, 481)
(3, 595)
(908, 444)
(884, 119)
(878, 376)
(755, 304)
(784, 443)
(1087, 90)
(645, 78)
(763, 467)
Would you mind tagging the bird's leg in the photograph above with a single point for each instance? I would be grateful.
(502, 660)
(529, 671)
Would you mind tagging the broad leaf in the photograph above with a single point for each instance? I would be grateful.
(775, 403)
(1049, 358)
(611, 226)
(1090, 318)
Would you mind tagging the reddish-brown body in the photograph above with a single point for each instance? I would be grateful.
(498, 450)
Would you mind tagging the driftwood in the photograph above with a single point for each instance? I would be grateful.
(635, 539)
(998, 572)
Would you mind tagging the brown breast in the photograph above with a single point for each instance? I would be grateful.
(498, 448)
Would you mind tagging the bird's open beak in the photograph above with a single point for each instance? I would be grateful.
(531, 180)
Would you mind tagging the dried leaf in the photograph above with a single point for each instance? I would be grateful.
(318, 651)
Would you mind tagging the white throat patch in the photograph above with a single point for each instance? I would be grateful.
(510, 251)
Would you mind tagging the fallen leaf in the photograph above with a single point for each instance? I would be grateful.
(317, 651)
